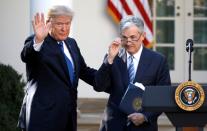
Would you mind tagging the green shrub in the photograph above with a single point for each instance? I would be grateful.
(11, 95)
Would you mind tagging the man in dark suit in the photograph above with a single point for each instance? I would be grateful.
(54, 65)
(129, 62)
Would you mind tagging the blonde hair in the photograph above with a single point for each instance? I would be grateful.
(59, 10)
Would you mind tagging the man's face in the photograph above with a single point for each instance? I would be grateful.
(60, 28)
(131, 39)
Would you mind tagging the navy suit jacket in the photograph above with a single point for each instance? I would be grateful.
(54, 102)
(113, 79)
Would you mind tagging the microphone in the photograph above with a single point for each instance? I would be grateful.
(189, 45)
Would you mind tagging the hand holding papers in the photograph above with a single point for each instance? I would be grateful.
(132, 100)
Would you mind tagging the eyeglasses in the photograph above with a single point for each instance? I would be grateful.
(132, 39)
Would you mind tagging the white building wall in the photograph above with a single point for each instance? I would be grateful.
(14, 27)
(92, 28)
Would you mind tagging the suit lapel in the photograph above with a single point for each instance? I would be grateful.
(53, 45)
(71, 49)
(64, 64)
(142, 66)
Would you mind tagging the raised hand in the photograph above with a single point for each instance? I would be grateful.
(114, 50)
(40, 28)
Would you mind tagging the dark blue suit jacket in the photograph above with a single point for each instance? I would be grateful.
(113, 79)
(54, 103)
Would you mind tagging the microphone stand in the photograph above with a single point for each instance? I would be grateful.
(189, 68)
(189, 49)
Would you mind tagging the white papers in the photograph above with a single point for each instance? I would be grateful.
(139, 85)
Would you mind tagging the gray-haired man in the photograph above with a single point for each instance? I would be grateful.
(114, 76)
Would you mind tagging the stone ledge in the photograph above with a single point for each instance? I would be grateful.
(90, 119)
(91, 105)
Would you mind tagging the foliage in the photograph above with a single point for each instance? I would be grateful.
(11, 95)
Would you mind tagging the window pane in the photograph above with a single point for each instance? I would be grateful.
(200, 32)
(165, 7)
(200, 8)
(168, 52)
(165, 31)
(200, 61)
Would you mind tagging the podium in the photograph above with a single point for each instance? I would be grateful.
(162, 99)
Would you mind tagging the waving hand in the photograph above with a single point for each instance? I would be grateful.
(41, 28)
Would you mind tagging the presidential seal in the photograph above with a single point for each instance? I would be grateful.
(137, 103)
(189, 96)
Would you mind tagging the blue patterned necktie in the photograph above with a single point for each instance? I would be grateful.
(131, 71)
(69, 63)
